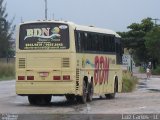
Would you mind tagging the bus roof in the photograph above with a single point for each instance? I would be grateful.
(95, 29)
(78, 27)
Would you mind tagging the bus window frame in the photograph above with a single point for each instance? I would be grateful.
(79, 49)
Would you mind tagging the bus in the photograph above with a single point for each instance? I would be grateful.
(55, 58)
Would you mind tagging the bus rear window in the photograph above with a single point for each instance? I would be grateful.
(43, 36)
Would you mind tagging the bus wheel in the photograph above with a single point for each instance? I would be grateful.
(90, 92)
(112, 95)
(32, 99)
(70, 98)
(47, 99)
(83, 99)
(39, 99)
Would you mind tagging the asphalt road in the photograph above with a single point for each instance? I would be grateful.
(145, 99)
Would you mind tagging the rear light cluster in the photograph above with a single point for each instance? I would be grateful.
(23, 77)
(56, 77)
(30, 77)
(65, 77)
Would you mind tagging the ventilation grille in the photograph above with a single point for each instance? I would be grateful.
(22, 63)
(65, 62)
(77, 78)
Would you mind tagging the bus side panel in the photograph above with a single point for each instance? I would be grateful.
(102, 74)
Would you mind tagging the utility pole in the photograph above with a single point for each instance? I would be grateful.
(53, 16)
(46, 9)
(21, 19)
(155, 21)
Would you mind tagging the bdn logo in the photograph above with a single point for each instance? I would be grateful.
(101, 70)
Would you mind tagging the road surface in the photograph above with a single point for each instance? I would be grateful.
(145, 99)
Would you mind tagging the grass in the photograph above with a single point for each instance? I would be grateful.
(129, 82)
(7, 71)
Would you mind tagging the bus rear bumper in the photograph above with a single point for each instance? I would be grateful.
(53, 88)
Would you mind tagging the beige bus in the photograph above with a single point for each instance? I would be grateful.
(62, 58)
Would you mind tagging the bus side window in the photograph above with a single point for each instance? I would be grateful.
(113, 44)
(118, 50)
(96, 42)
(78, 41)
(85, 41)
(82, 42)
(90, 42)
(101, 44)
(107, 43)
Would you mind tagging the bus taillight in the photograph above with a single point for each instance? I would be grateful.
(66, 77)
(56, 77)
(30, 77)
(21, 77)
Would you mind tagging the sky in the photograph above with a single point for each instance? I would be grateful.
(110, 14)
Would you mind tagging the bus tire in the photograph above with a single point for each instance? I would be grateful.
(32, 100)
(112, 95)
(83, 99)
(70, 98)
(47, 99)
(90, 92)
(39, 99)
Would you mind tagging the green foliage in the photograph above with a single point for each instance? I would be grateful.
(7, 71)
(129, 82)
(6, 30)
(153, 43)
(135, 39)
(156, 71)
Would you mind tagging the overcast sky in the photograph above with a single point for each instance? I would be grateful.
(111, 14)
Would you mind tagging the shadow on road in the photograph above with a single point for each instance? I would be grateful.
(65, 103)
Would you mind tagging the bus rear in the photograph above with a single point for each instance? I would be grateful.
(44, 61)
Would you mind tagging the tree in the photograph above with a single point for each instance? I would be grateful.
(152, 42)
(6, 31)
(134, 39)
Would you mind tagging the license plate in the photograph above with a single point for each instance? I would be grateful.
(44, 74)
